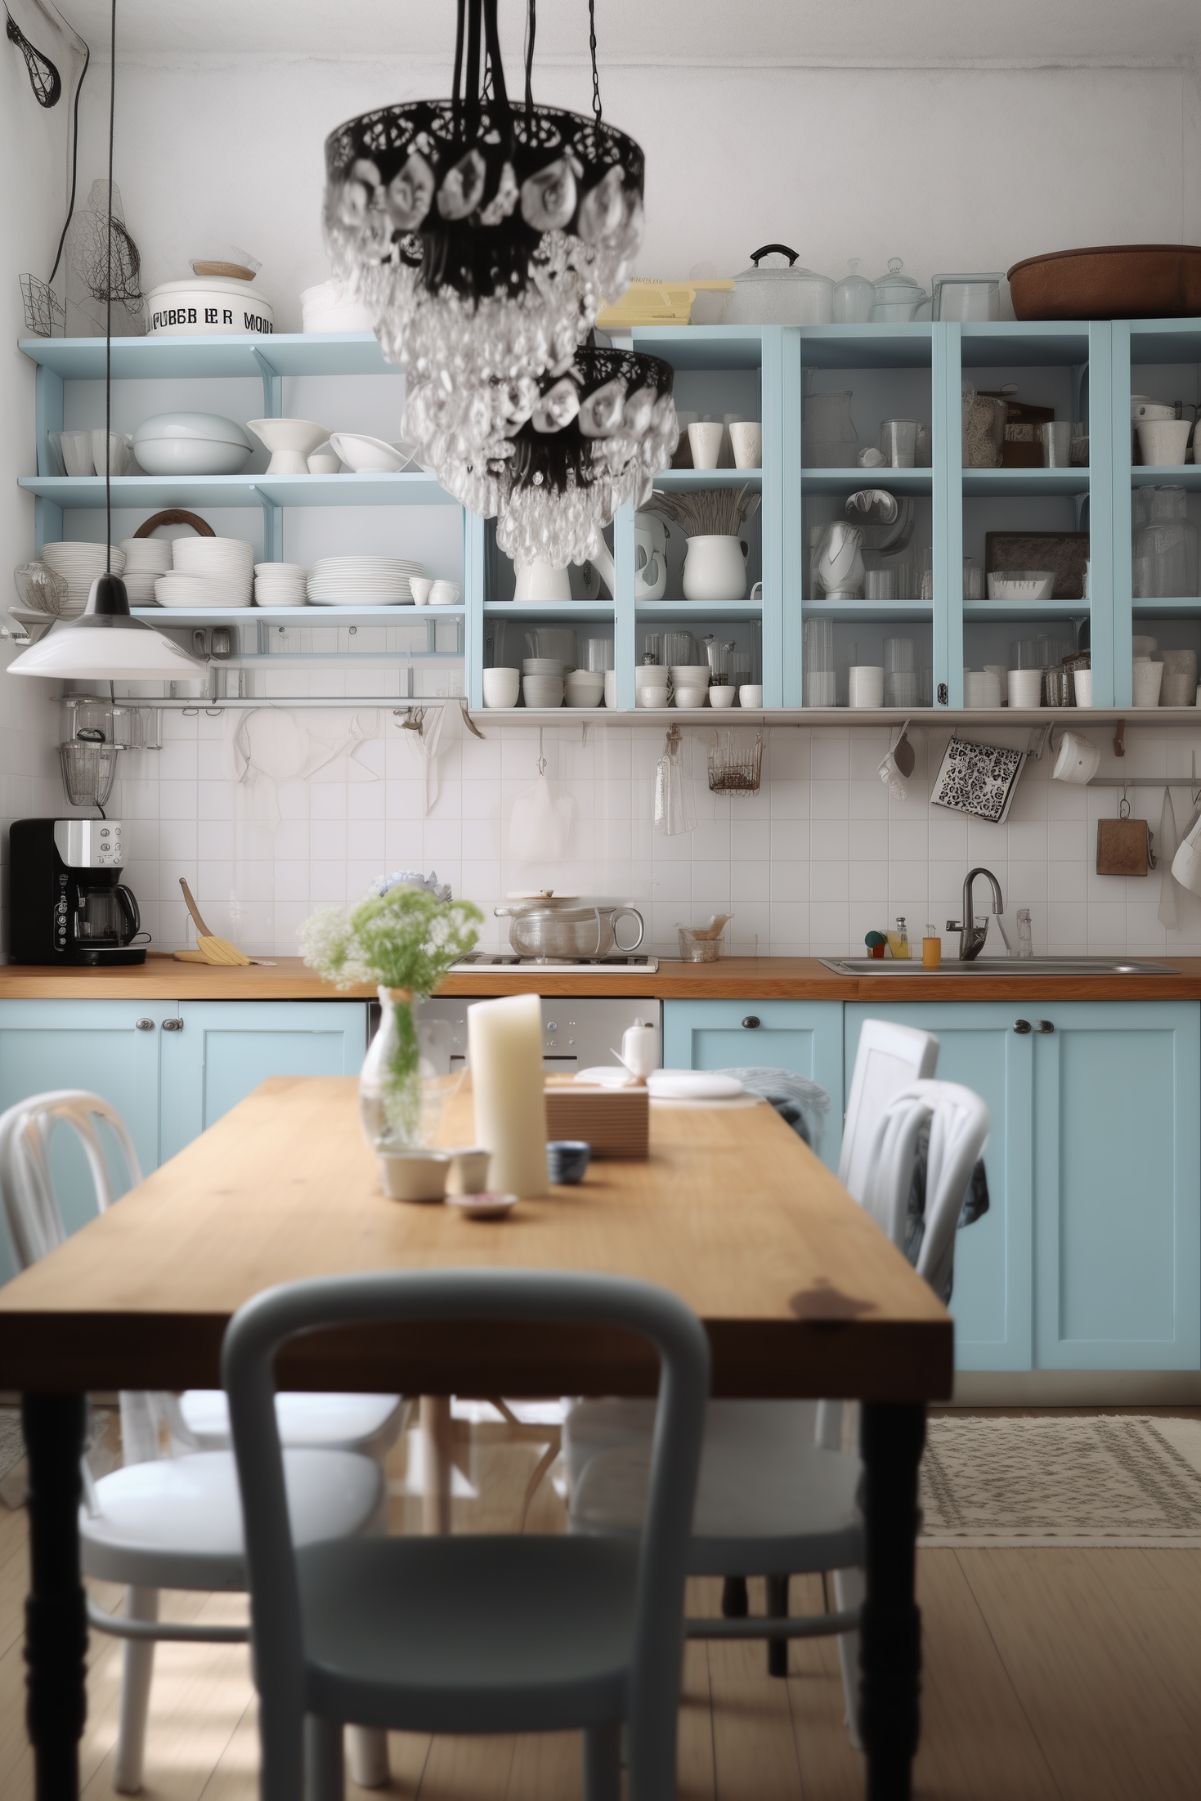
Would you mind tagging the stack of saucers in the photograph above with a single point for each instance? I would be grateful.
(362, 582)
(145, 560)
(79, 564)
(195, 591)
(279, 584)
(228, 562)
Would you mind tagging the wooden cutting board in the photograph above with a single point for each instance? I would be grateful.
(1123, 847)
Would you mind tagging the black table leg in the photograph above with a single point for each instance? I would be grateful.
(56, 1633)
(891, 1440)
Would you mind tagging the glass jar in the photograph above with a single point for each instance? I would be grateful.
(853, 297)
(1166, 548)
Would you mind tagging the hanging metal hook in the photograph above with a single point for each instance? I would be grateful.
(541, 754)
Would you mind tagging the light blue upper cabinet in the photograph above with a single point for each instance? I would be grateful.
(803, 1037)
(224, 1049)
(1117, 1256)
(992, 1300)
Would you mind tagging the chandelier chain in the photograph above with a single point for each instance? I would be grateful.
(531, 32)
(596, 99)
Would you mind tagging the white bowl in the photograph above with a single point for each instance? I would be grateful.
(651, 697)
(290, 441)
(692, 697)
(585, 689)
(690, 675)
(542, 690)
(653, 675)
(191, 444)
(543, 666)
(502, 687)
(368, 456)
(197, 591)
(1022, 584)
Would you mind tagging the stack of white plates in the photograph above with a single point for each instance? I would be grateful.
(195, 591)
(79, 564)
(145, 560)
(279, 584)
(226, 561)
(362, 582)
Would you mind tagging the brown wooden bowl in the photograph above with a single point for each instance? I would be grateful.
(1109, 281)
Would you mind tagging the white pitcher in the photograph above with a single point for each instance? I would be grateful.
(650, 558)
(715, 568)
(551, 582)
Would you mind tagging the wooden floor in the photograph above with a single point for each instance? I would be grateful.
(1051, 1676)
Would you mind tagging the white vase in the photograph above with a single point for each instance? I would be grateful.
(715, 568)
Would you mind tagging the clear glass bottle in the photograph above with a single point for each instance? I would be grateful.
(853, 297)
(931, 948)
(898, 941)
(1025, 933)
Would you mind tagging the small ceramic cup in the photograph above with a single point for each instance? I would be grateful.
(419, 588)
(652, 697)
(1163, 441)
(468, 1172)
(865, 683)
(445, 594)
(1025, 687)
(1078, 760)
(610, 687)
(501, 687)
(724, 695)
(704, 441)
(413, 1175)
(691, 697)
(750, 694)
(324, 462)
(1148, 680)
(746, 441)
(1082, 681)
(567, 1159)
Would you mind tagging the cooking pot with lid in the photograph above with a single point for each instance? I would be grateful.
(773, 291)
(565, 928)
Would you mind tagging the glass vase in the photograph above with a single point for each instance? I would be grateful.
(405, 1080)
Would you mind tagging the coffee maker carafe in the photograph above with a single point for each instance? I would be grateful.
(66, 902)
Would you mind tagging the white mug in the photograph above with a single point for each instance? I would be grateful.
(1078, 760)
(704, 441)
(722, 695)
(1082, 681)
(652, 697)
(746, 440)
(610, 687)
(750, 694)
(501, 687)
(419, 588)
(865, 682)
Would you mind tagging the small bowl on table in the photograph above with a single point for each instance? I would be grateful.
(413, 1174)
(567, 1160)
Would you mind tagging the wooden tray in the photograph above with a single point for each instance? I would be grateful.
(614, 1121)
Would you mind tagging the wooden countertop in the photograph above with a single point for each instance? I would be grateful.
(733, 978)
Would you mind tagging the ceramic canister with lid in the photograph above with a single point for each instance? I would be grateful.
(208, 306)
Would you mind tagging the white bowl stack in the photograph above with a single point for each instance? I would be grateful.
(208, 572)
(362, 582)
(280, 585)
(542, 680)
(79, 564)
(145, 560)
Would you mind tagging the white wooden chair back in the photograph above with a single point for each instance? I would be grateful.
(958, 1122)
(889, 1056)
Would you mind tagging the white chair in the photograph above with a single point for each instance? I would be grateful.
(887, 1057)
(770, 1497)
(166, 1522)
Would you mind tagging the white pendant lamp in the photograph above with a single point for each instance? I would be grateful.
(105, 643)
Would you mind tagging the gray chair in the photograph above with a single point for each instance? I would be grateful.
(487, 1634)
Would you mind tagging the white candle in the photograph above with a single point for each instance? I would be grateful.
(504, 1040)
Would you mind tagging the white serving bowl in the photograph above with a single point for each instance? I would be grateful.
(191, 444)
(206, 306)
(692, 697)
(290, 441)
(1022, 584)
(542, 690)
(690, 675)
(585, 688)
(369, 456)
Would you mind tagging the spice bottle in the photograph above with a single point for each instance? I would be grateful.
(898, 941)
(931, 948)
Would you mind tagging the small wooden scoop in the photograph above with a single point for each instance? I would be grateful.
(209, 948)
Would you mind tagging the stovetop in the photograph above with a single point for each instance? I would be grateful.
(619, 965)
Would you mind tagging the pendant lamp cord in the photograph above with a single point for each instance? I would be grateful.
(531, 32)
(457, 85)
(596, 99)
(108, 303)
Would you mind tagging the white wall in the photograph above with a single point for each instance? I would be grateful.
(32, 198)
(950, 169)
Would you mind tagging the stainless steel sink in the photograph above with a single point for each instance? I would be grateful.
(999, 966)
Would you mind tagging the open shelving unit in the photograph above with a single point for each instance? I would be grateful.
(1087, 371)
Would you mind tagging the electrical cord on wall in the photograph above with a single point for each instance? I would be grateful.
(108, 300)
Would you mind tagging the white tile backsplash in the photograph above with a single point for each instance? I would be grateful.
(820, 856)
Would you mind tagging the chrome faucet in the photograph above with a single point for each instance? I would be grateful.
(973, 932)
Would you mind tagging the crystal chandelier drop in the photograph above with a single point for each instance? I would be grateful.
(484, 234)
(552, 461)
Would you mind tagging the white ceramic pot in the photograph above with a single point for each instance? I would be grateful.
(715, 568)
(205, 306)
(542, 582)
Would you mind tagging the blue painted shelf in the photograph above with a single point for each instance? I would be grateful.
(407, 488)
(166, 617)
(692, 481)
(903, 611)
(1029, 483)
(662, 612)
(844, 481)
(1168, 475)
(564, 612)
(156, 359)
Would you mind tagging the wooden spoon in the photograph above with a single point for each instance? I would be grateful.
(209, 948)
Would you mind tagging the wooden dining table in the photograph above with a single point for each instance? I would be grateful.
(800, 1293)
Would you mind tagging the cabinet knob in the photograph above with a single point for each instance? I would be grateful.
(176, 1025)
(1021, 1027)
(751, 1021)
(1045, 1026)
(143, 1025)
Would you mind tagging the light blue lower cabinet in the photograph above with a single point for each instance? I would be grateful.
(226, 1048)
(804, 1037)
(1117, 1185)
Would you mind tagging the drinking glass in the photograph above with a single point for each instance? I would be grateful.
(1056, 441)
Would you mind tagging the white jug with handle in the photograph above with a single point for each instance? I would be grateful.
(550, 583)
(715, 568)
(650, 558)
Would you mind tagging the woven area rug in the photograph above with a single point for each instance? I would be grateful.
(1105, 1480)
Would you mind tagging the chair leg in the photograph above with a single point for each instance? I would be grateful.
(137, 1670)
(849, 1590)
(735, 1604)
(367, 1749)
(602, 1763)
(324, 1776)
(777, 1608)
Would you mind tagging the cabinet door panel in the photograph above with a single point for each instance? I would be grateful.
(94, 1045)
(992, 1300)
(225, 1049)
(802, 1037)
(1118, 1186)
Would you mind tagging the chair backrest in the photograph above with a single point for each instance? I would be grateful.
(33, 1217)
(958, 1122)
(888, 1057)
(252, 1340)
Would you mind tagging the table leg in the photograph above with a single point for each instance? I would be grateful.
(56, 1631)
(891, 1440)
(436, 1462)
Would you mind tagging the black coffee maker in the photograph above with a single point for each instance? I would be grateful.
(66, 902)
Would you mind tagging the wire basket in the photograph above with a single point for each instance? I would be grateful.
(88, 771)
(735, 763)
